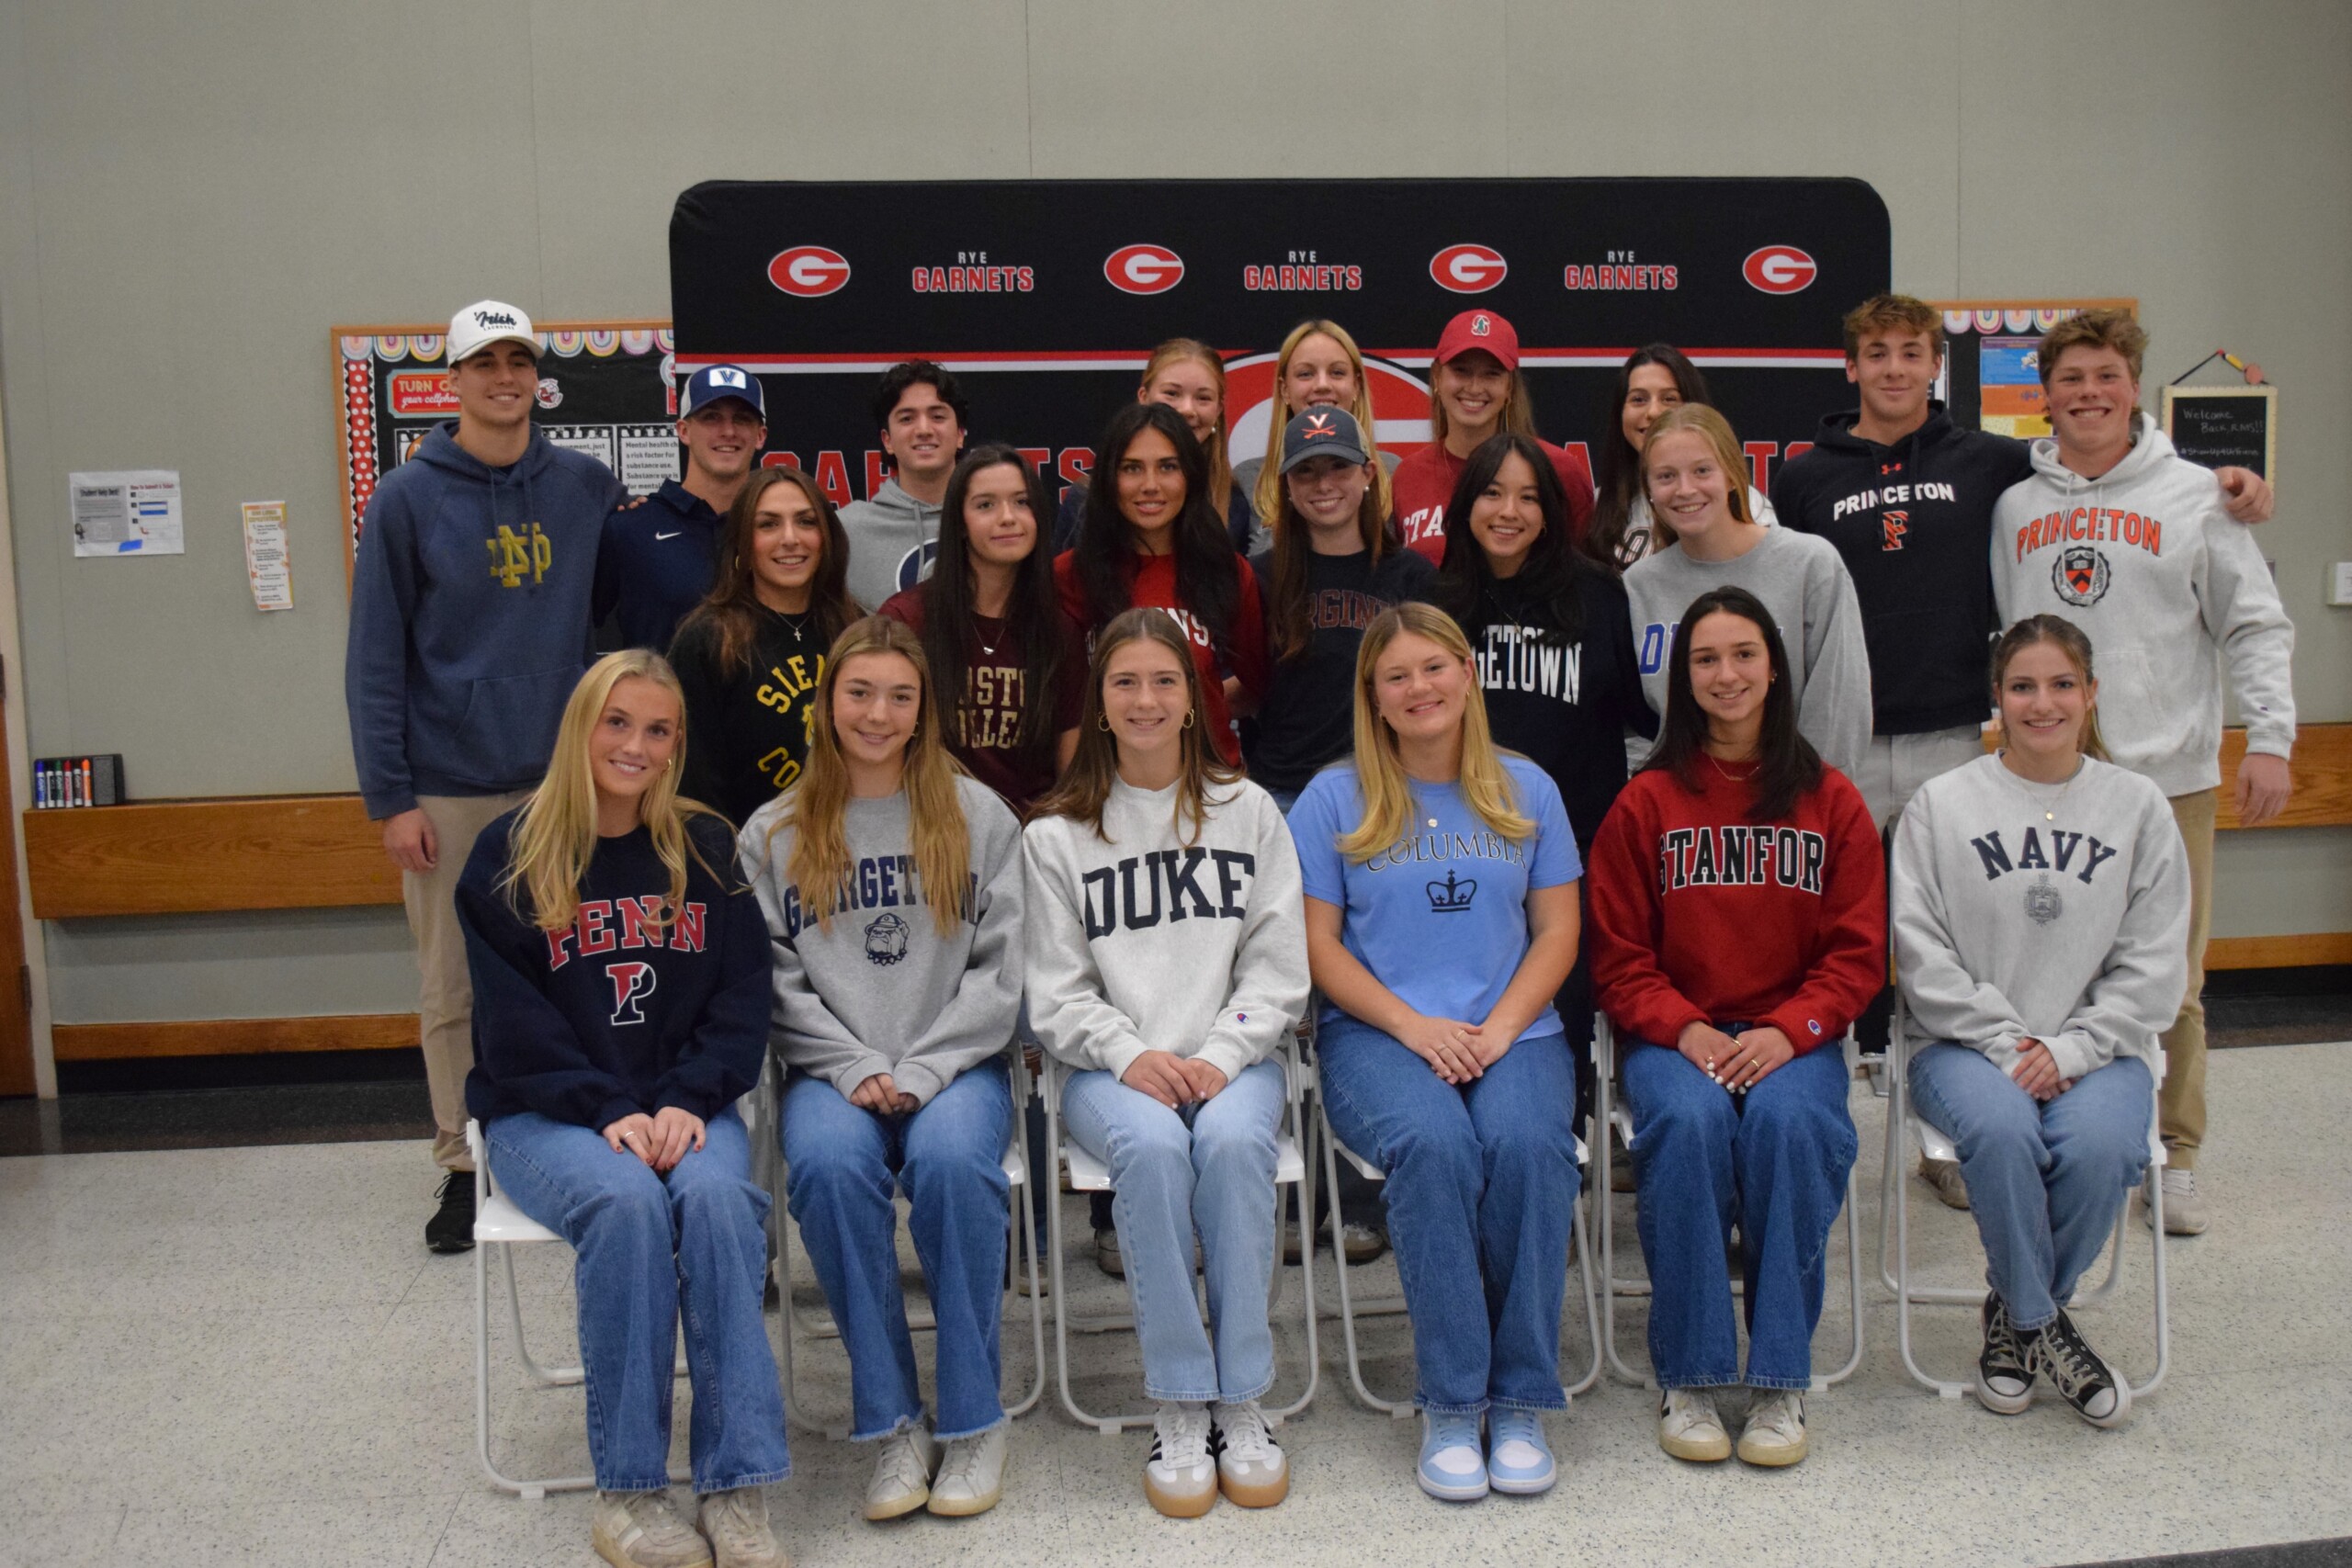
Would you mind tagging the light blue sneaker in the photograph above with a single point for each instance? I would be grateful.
(1451, 1468)
(1519, 1459)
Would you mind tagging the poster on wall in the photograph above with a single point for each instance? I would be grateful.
(1046, 298)
(604, 389)
(1992, 376)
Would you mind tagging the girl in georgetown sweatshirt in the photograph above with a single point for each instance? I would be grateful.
(620, 1012)
(892, 884)
(1738, 927)
(2040, 930)
(1167, 960)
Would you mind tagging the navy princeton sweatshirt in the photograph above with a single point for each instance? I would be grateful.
(616, 1014)
(469, 618)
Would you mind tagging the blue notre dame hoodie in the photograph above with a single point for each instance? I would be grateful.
(469, 618)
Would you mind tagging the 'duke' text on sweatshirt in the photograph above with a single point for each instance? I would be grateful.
(2051, 912)
(620, 1012)
(1700, 914)
(1140, 941)
(877, 987)
(2145, 561)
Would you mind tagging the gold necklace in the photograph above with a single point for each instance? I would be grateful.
(1735, 778)
(2050, 811)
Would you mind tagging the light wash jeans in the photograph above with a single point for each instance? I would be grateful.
(1775, 1161)
(1481, 1193)
(1208, 1168)
(843, 1166)
(644, 1243)
(2046, 1177)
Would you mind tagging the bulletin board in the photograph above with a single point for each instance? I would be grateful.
(605, 389)
(1990, 378)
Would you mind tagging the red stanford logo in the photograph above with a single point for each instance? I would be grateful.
(1778, 269)
(1468, 269)
(1144, 269)
(808, 271)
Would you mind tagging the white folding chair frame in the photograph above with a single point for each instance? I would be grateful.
(1088, 1175)
(1609, 1116)
(1905, 1126)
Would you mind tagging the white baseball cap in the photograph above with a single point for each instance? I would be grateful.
(486, 321)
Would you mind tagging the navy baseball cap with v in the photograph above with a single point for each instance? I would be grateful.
(712, 382)
(1322, 432)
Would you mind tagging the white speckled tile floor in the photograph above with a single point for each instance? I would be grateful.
(245, 1356)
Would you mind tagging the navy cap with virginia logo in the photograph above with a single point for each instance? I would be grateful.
(712, 382)
(1322, 432)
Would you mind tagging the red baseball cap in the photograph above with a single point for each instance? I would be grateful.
(1479, 329)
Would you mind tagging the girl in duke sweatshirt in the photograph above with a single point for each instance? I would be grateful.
(1167, 961)
(620, 1012)
(1739, 927)
(2040, 930)
(891, 886)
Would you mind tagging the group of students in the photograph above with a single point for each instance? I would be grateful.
(1140, 801)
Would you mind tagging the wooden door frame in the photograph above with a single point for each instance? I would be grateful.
(27, 1066)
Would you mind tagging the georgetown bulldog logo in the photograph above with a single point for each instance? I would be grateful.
(2042, 904)
(2080, 576)
(885, 941)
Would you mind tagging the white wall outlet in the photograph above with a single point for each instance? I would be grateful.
(2340, 582)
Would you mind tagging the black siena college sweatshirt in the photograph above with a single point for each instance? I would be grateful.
(616, 1014)
(747, 730)
(1913, 523)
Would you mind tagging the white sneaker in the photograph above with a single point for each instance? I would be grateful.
(736, 1524)
(1181, 1476)
(1774, 1435)
(1250, 1469)
(971, 1475)
(1689, 1427)
(2186, 1212)
(642, 1530)
(902, 1473)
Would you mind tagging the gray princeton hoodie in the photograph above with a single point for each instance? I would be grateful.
(2052, 912)
(892, 537)
(878, 988)
(2145, 561)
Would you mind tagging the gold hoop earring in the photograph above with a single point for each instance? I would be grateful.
(1188, 718)
(1102, 722)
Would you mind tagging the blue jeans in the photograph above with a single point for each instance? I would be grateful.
(645, 1244)
(2046, 1177)
(1775, 1161)
(1208, 1168)
(1481, 1193)
(843, 1166)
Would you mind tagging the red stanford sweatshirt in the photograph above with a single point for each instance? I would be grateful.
(1699, 915)
(1422, 488)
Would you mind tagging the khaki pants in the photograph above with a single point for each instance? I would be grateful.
(447, 999)
(1895, 766)
(2180, 1103)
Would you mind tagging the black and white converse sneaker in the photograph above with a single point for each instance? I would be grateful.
(2061, 1354)
(2004, 1379)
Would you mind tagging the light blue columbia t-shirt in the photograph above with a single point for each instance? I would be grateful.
(1439, 918)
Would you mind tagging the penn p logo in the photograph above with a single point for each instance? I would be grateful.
(632, 981)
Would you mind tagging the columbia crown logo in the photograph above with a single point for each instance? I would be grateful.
(1451, 896)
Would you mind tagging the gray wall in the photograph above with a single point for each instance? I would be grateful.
(193, 194)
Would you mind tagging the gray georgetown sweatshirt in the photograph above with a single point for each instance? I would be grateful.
(879, 988)
(2054, 912)
(1140, 942)
(1803, 583)
(892, 537)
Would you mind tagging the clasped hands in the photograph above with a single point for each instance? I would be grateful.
(1174, 1081)
(661, 1140)
(1737, 1063)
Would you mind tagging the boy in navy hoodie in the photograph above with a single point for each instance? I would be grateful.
(469, 626)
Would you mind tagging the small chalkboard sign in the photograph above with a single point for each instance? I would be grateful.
(2225, 426)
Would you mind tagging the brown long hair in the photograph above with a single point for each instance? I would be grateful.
(1086, 783)
(1286, 598)
(2067, 639)
(732, 609)
(1787, 767)
(1177, 351)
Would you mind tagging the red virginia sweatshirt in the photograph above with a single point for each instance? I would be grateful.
(1699, 915)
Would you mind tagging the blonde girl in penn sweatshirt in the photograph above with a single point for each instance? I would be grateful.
(2041, 926)
(1167, 958)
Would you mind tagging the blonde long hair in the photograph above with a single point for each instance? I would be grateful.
(1380, 767)
(555, 836)
(1698, 420)
(818, 805)
(1086, 783)
(1269, 497)
(1178, 351)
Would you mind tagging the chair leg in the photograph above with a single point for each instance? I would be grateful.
(1604, 1105)
(532, 1491)
(1592, 1303)
(1024, 1244)
(1898, 1112)
(1400, 1410)
(1854, 1272)
(2163, 1319)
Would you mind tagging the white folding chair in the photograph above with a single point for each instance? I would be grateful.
(1904, 1123)
(1334, 1151)
(1088, 1174)
(1608, 1115)
(1020, 1220)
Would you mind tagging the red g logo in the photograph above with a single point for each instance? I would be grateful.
(632, 983)
(1468, 269)
(1144, 269)
(808, 271)
(1778, 269)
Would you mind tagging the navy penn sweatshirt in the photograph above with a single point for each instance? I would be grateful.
(1913, 523)
(615, 1014)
